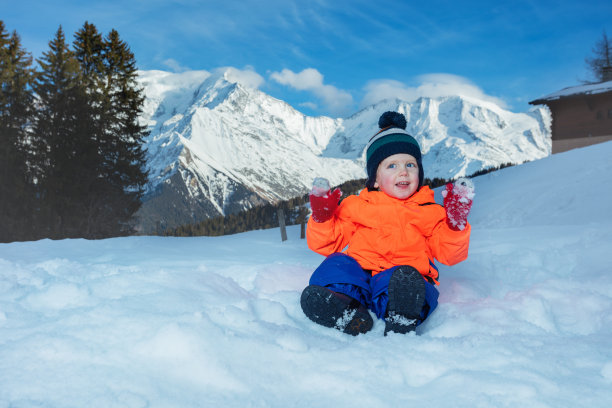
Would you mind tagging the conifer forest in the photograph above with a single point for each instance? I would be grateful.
(71, 147)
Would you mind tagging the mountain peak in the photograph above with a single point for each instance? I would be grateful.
(246, 78)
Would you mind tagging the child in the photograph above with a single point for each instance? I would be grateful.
(381, 244)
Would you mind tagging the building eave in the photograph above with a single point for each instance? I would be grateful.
(573, 91)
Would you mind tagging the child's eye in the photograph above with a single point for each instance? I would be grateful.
(409, 165)
(392, 166)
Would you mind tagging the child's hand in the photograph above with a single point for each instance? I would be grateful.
(323, 202)
(458, 202)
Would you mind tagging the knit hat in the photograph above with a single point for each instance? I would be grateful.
(391, 139)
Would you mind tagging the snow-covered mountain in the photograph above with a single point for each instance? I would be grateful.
(217, 146)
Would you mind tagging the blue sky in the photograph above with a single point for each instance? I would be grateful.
(333, 57)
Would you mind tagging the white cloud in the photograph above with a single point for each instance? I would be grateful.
(335, 100)
(379, 89)
(247, 76)
(174, 65)
(308, 79)
(431, 86)
(309, 105)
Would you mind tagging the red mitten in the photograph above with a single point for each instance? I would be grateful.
(458, 199)
(323, 202)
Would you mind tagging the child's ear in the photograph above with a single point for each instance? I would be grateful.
(376, 184)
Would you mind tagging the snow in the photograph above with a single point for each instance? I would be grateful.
(320, 187)
(526, 320)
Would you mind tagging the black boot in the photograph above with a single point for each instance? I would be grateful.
(337, 310)
(406, 300)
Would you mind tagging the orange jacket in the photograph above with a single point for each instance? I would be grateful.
(380, 232)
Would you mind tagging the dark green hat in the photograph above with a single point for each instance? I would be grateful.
(391, 139)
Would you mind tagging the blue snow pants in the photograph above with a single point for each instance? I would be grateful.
(341, 273)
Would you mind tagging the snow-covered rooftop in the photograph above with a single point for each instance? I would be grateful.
(600, 87)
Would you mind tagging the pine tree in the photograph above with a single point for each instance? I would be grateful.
(89, 51)
(600, 64)
(88, 48)
(16, 108)
(114, 103)
(88, 140)
(122, 147)
(59, 132)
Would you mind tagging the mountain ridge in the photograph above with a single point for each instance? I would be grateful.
(217, 147)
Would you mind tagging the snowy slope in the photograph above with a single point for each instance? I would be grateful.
(217, 146)
(526, 320)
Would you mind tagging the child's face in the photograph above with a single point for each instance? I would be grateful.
(398, 175)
